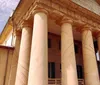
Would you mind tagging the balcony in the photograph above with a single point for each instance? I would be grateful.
(57, 81)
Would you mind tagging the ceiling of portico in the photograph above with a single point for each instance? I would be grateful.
(56, 29)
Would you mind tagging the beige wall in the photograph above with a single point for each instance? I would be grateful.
(5, 58)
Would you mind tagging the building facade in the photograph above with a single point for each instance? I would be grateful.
(53, 42)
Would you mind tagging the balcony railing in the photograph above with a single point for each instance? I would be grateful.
(54, 81)
(57, 81)
(80, 81)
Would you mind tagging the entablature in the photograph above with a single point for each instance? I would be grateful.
(58, 9)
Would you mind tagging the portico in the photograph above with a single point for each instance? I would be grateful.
(38, 63)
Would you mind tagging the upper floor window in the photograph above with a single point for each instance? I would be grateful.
(59, 45)
(51, 69)
(76, 48)
(98, 67)
(49, 43)
(98, 56)
(79, 71)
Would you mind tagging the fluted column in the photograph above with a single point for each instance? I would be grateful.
(89, 59)
(38, 73)
(68, 61)
(14, 61)
(24, 55)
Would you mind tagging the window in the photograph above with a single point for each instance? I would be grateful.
(60, 67)
(95, 46)
(51, 70)
(49, 43)
(98, 67)
(79, 71)
(76, 48)
(59, 45)
(98, 56)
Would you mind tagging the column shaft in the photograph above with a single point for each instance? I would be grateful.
(68, 62)
(14, 60)
(89, 59)
(24, 56)
(38, 73)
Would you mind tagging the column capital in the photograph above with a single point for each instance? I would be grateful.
(27, 23)
(63, 20)
(84, 27)
(40, 10)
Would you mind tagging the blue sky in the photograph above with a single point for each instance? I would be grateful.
(6, 8)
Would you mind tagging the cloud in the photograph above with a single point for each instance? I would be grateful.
(6, 7)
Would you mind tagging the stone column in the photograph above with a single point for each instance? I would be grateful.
(68, 61)
(89, 59)
(38, 73)
(14, 61)
(24, 55)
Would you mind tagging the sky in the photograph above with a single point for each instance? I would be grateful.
(6, 8)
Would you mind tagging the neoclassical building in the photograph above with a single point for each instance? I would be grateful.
(51, 42)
